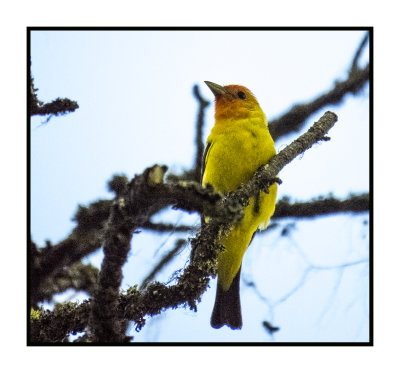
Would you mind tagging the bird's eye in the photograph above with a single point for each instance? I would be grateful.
(241, 95)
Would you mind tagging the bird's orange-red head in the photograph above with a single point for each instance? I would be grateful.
(233, 101)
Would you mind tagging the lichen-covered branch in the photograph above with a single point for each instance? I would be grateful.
(58, 106)
(85, 238)
(78, 276)
(189, 286)
(148, 195)
(284, 208)
(323, 206)
(104, 323)
(55, 326)
(144, 196)
(133, 304)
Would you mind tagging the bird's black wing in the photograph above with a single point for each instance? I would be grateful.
(203, 161)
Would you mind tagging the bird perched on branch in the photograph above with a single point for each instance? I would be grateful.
(239, 143)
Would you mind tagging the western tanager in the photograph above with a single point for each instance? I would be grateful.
(239, 143)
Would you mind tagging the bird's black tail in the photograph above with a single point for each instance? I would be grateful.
(227, 309)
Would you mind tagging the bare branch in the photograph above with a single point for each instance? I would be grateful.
(323, 206)
(295, 118)
(354, 65)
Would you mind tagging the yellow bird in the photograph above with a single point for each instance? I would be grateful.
(239, 143)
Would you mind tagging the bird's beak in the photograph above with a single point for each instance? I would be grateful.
(217, 89)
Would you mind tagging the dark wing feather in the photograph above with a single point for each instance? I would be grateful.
(203, 161)
(203, 167)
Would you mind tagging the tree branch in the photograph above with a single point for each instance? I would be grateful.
(162, 263)
(80, 277)
(84, 239)
(144, 196)
(147, 195)
(56, 326)
(104, 324)
(354, 65)
(329, 205)
(295, 118)
(321, 206)
(58, 106)
(284, 208)
(166, 227)
(75, 277)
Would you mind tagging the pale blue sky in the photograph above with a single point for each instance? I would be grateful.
(134, 89)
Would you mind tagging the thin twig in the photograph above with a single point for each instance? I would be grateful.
(354, 65)
(166, 227)
(162, 263)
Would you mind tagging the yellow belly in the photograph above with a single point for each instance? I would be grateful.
(238, 238)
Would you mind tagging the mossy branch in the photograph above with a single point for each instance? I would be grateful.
(59, 106)
(135, 202)
(48, 261)
(322, 206)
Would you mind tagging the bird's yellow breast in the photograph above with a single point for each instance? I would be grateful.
(237, 150)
